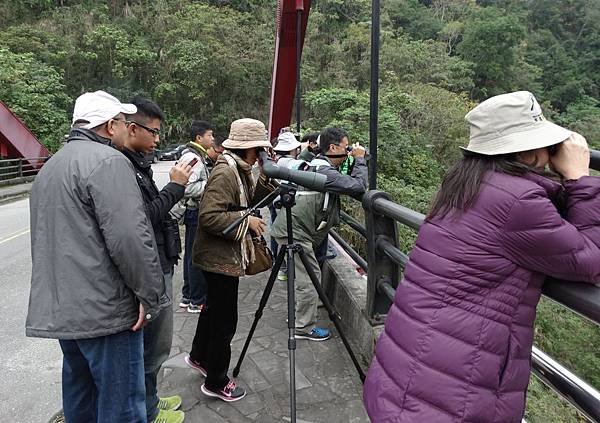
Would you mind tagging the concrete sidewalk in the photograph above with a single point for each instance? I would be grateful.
(14, 192)
(328, 387)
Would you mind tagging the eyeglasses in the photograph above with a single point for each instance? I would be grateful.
(154, 132)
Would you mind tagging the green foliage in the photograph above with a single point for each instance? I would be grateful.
(13, 10)
(342, 12)
(545, 406)
(114, 57)
(34, 92)
(490, 41)
(411, 61)
(584, 117)
(559, 332)
(206, 50)
(413, 18)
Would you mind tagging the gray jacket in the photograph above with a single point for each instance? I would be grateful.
(93, 253)
(315, 213)
(195, 186)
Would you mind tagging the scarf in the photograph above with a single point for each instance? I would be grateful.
(237, 164)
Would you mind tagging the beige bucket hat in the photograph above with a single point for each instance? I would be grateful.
(510, 123)
(247, 133)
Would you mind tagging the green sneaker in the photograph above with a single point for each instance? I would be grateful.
(169, 416)
(169, 403)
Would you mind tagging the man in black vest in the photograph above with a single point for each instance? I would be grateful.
(143, 136)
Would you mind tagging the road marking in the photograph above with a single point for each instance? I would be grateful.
(14, 235)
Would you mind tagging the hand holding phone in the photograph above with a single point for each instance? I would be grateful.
(180, 173)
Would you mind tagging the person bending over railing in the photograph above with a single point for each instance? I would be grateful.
(518, 206)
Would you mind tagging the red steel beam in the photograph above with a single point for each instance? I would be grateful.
(16, 140)
(283, 84)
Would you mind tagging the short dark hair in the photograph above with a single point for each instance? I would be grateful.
(310, 137)
(146, 109)
(218, 141)
(331, 136)
(199, 127)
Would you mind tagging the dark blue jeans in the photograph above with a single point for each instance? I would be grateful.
(194, 284)
(158, 335)
(103, 379)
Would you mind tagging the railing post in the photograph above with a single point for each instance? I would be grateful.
(20, 168)
(381, 267)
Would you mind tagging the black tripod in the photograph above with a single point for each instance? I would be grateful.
(287, 192)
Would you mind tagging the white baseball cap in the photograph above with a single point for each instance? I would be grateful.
(510, 123)
(99, 107)
(286, 141)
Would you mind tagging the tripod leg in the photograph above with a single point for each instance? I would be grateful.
(261, 306)
(333, 315)
(291, 308)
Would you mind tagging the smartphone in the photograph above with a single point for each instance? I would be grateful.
(193, 161)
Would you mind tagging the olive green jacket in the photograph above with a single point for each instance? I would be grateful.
(312, 217)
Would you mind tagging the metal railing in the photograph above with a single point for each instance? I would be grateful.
(385, 261)
(16, 169)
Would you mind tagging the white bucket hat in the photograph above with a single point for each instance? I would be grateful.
(99, 107)
(510, 123)
(286, 141)
(247, 133)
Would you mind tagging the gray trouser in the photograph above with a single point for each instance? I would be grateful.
(158, 335)
(306, 294)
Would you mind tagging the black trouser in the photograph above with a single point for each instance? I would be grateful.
(216, 326)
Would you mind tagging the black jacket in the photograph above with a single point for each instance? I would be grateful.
(157, 203)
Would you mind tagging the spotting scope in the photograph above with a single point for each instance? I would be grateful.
(312, 180)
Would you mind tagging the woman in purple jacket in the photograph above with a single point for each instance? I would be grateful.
(457, 340)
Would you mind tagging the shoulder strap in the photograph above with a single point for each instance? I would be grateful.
(233, 166)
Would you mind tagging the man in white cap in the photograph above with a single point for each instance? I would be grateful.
(287, 149)
(96, 275)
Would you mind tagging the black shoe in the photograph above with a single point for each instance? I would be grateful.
(231, 392)
(316, 334)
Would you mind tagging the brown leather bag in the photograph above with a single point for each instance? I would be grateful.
(263, 257)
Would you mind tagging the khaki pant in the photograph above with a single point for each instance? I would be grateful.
(306, 294)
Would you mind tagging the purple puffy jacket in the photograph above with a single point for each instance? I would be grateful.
(457, 340)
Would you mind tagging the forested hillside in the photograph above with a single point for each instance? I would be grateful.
(213, 59)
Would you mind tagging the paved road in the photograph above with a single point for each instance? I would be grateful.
(161, 172)
(31, 368)
(30, 371)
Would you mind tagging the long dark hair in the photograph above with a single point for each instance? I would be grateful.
(461, 184)
(241, 152)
